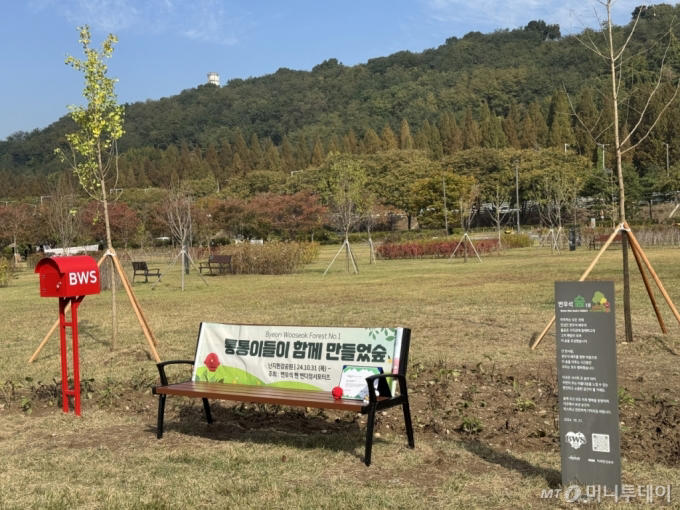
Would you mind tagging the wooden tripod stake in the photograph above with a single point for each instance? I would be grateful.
(151, 339)
(185, 253)
(371, 246)
(640, 258)
(350, 258)
(554, 243)
(465, 238)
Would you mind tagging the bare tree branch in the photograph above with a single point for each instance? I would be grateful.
(592, 46)
(630, 35)
(651, 128)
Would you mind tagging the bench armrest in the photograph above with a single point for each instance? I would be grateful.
(371, 379)
(161, 368)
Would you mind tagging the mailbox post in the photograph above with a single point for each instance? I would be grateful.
(70, 279)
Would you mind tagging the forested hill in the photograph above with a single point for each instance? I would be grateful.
(479, 78)
(500, 68)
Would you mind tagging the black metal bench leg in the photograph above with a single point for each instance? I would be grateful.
(206, 406)
(161, 412)
(408, 424)
(369, 435)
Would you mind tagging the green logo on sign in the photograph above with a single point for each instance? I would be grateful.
(600, 303)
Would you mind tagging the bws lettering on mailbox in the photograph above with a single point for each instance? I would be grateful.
(82, 277)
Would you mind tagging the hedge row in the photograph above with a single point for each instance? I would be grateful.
(433, 249)
(516, 241)
(271, 258)
(5, 272)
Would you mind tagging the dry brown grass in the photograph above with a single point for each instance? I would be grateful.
(254, 458)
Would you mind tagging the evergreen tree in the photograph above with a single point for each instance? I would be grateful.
(435, 142)
(212, 160)
(389, 140)
(318, 153)
(528, 136)
(511, 126)
(422, 139)
(238, 165)
(586, 122)
(539, 124)
(334, 145)
(185, 164)
(287, 155)
(491, 130)
(240, 147)
(302, 155)
(371, 142)
(471, 134)
(127, 176)
(445, 131)
(225, 156)
(170, 161)
(405, 139)
(142, 179)
(256, 153)
(457, 136)
(559, 120)
(450, 133)
(272, 159)
(349, 143)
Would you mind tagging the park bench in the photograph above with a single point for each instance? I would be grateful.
(141, 269)
(216, 264)
(297, 366)
(598, 240)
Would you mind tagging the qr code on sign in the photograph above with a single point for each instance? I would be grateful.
(600, 443)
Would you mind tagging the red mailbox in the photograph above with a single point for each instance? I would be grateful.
(68, 276)
(70, 279)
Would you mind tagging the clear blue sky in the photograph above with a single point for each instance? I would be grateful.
(166, 46)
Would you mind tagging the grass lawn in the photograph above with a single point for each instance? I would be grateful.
(471, 327)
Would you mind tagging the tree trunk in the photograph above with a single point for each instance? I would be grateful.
(628, 324)
(183, 262)
(446, 214)
(185, 259)
(109, 245)
(498, 229)
(619, 174)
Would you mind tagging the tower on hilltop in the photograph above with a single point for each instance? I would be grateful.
(214, 79)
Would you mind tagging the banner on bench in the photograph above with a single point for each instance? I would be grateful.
(291, 356)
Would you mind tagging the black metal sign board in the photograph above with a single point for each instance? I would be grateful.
(586, 376)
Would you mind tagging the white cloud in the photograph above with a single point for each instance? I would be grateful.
(214, 21)
(572, 16)
(104, 15)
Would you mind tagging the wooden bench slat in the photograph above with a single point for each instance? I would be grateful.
(140, 268)
(598, 240)
(260, 394)
(219, 263)
(380, 395)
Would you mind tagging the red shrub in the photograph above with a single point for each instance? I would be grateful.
(433, 249)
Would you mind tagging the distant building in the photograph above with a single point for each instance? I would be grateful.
(214, 79)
